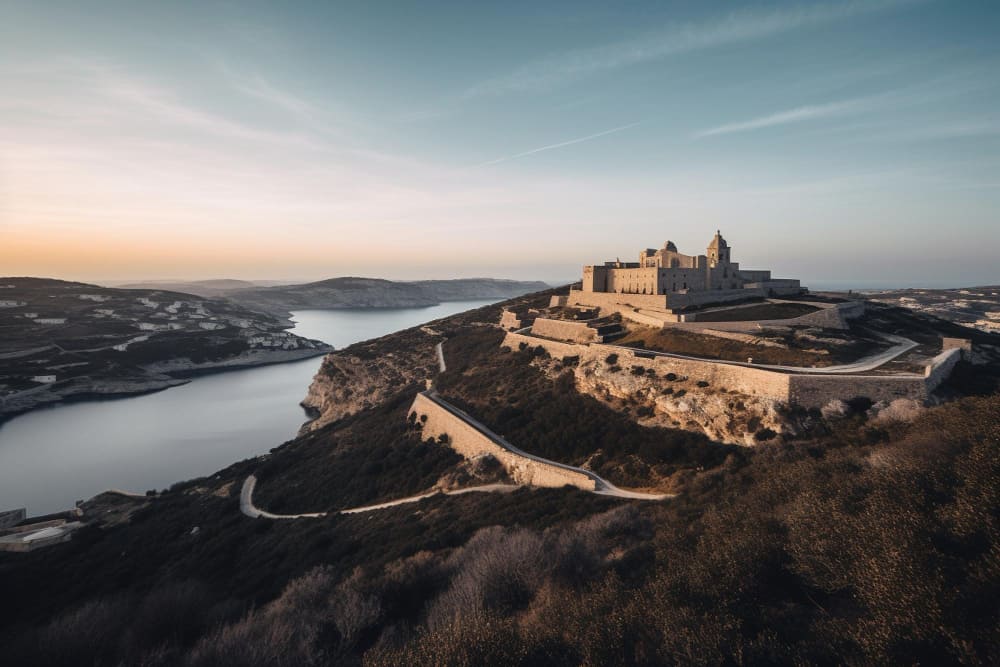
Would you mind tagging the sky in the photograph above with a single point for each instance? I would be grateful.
(839, 142)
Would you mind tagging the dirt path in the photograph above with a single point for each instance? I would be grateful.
(254, 512)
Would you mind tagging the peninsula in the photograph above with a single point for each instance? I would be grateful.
(62, 340)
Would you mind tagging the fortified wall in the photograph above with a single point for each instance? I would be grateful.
(471, 443)
(829, 316)
(809, 390)
(745, 379)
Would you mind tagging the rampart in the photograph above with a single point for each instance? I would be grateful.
(471, 443)
(565, 330)
(809, 390)
(829, 316)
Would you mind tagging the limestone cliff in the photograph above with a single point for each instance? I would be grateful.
(365, 374)
(675, 401)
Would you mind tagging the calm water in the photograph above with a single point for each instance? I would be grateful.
(52, 457)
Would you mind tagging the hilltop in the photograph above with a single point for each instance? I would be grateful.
(346, 292)
(777, 553)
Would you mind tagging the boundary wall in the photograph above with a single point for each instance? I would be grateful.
(580, 332)
(809, 390)
(829, 316)
(471, 443)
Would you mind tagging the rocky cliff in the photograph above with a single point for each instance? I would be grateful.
(365, 374)
(676, 401)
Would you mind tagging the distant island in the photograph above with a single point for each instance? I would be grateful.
(61, 340)
(350, 292)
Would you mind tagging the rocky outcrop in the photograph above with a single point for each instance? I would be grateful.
(655, 397)
(363, 375)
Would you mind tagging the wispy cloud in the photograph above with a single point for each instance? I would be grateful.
(923, 93)
(796, 115)
(549, 147)
(672, 40)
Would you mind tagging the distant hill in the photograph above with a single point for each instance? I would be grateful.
(353, 292)
(205, 288)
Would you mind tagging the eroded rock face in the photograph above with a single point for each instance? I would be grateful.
(678, 402)
(365, 374)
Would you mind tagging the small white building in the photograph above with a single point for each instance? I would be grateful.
(12, 303)
(44, 379)
(50, 320)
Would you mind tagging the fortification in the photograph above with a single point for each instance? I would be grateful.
(471, 443)
(808, 390)
(666, 279)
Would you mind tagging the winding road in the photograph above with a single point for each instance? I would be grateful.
(864, 365)
(601, 486)
(254, 512)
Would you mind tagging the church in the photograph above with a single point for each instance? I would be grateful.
(685, 280)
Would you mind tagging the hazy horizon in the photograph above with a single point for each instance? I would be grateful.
(840, 141)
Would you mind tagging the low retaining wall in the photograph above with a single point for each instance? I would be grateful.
(471, 443)
(815, 391)
(803, 389)
(829, 316)
(613, 301)
(745, 379)
(565, 330)
(941, 367)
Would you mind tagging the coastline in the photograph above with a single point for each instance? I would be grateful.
(162, 376)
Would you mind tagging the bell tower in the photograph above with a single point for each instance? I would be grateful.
(718, 250)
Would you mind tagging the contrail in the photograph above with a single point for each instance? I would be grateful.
(560, 144)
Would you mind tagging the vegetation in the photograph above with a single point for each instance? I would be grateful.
(860, 541)
(868, 546)
(553, 420)
(789, 349)
(764, 311)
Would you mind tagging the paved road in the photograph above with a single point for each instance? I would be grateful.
(603, 486)
(860, 366)
(252, 511)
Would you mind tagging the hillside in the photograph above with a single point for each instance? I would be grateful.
(61, 340)
(376, 293)
(857, 539)
(205, 288)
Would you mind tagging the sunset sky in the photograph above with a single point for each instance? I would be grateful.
(852, 142)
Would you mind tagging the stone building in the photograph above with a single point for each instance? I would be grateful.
(685, 280)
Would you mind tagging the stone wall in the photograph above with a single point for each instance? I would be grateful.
(941, 367)
(809, 390)
(612, 301)
(815, 391)
(578, 332)
(470, 442)
(829, 316)
(963, 344)
(744, 379)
